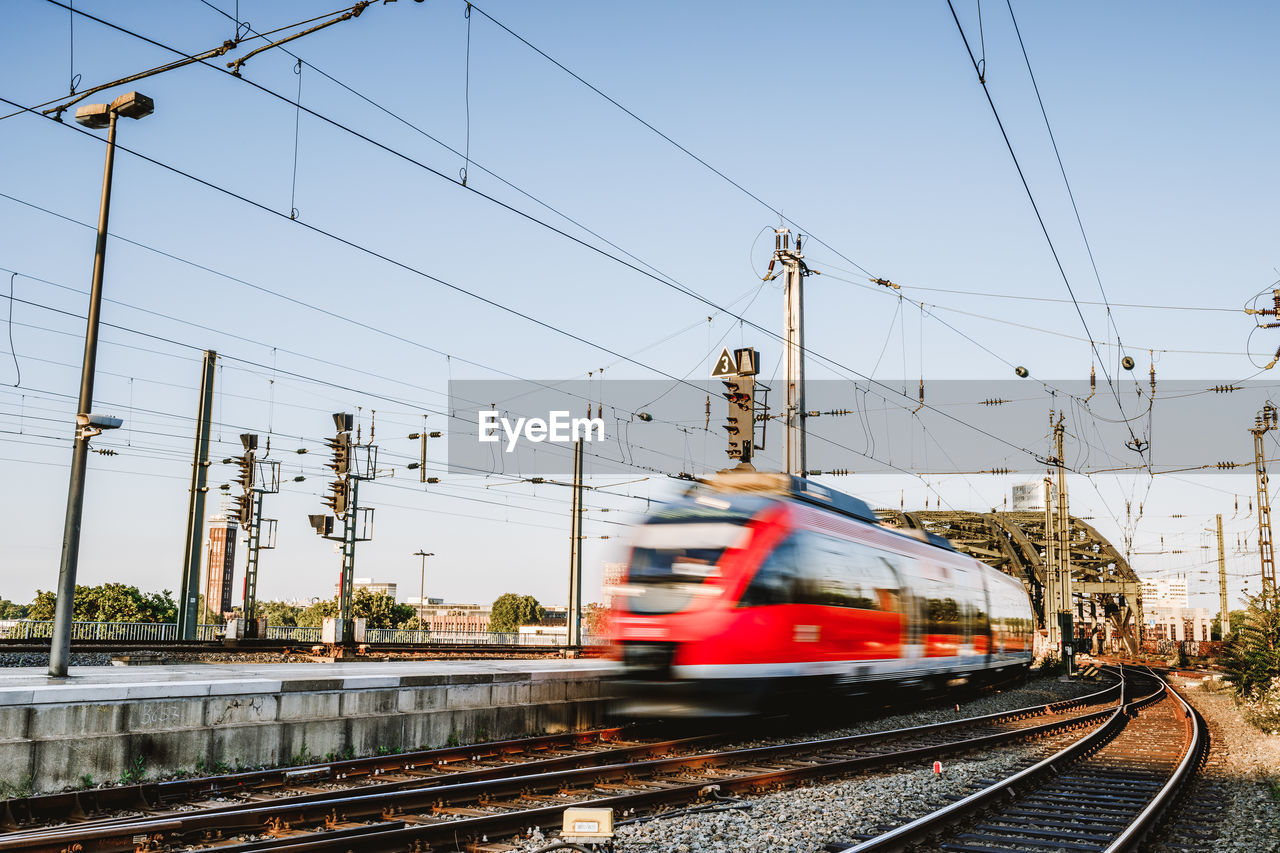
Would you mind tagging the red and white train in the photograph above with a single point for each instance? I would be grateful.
(754, 590)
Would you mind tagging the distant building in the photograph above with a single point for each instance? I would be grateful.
(1166, 592)
(1029, 497)
(1171, 622)
(443, 618)
(374, 587)
(220, 570)
(614, 575)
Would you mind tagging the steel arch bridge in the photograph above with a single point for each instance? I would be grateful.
(1014, 542)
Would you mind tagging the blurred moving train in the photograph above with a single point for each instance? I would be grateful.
(755, 591)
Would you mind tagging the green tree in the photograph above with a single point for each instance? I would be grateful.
(379, 609)
(279, 613)
(12, 610)
(110, 602)
(1251, 654)
(510, 611)
(312, 616)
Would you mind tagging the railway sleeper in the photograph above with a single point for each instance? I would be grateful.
(1073, 833)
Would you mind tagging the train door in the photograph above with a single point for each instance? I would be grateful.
(912, 602)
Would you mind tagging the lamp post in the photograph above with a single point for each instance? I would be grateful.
(422, 583)
(95, 116)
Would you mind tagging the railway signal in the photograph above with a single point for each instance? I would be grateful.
(740, 422)
(351, 462)
(258, 476)
(737, 372)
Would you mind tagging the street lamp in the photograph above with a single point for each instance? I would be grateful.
(95, 116)
(422, 583)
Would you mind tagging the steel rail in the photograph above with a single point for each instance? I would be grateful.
(17, 813)
(1150, 817)
(921, 828)
(351, 805)
(445, 833)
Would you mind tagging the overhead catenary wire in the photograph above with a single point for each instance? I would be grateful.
(1137, 446)
(486, 300)
(682, 288)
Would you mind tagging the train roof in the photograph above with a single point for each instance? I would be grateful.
(767, 485)
(798, 488)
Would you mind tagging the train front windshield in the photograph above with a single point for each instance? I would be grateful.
(672, 564)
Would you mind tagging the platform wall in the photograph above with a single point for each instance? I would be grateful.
(49, 745)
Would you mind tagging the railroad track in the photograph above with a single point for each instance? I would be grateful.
(1105, 792)
(408, 803)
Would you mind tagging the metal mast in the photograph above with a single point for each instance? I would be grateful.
(189, 589)
(575, 551)
(1265, 422)
(1064, 603)
(1050, 601)
(1224, 615)
(794, 270)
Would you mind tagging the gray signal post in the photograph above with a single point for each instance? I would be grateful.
(258, 476)
(351, 463)
(94, 116)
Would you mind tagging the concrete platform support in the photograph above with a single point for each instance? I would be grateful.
(58, 735)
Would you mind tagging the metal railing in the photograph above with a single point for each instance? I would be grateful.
(42, 629)
(409, 636)
(164, 632)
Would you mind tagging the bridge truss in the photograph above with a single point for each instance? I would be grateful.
(1104, 586)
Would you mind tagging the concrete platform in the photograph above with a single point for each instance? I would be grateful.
(105, 723)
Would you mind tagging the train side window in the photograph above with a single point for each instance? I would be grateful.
(775, 581)
(839, 573)
(942, 612)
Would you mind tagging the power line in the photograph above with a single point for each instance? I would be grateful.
(401, 155)
(1138, 446)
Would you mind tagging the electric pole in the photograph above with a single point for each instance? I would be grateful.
(258, 476)
(351, 463)
(1265, 422)
(1224, 615)
(1058, 615)
(422, 585)
(575, 550)
(421, 464)
(795, 270)
(189, 589)
(1050, 600)
(1064, 548)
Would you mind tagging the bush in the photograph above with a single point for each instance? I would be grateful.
(1261, 706)
(1251, 655)
(1051, 665)
(1251, 661)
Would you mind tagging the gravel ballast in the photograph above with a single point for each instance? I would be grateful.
(1242, 771)
(803, 820)
(799, 820)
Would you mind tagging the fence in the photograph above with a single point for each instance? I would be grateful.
(406, 636)
(164, 632)
(1192, 648)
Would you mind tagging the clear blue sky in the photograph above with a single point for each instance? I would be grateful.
(864, 123)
